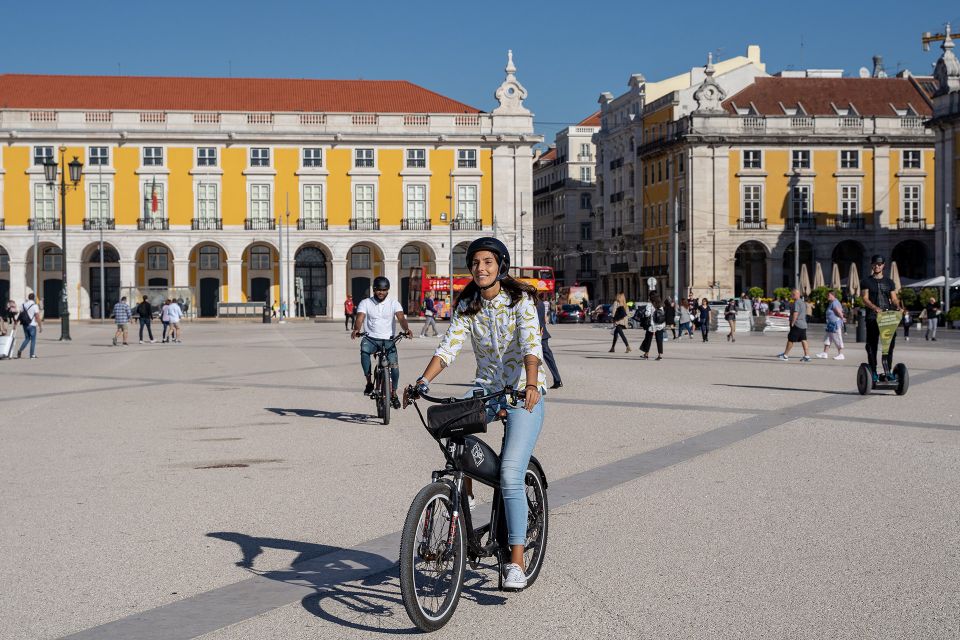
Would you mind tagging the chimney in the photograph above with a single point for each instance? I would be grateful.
(878, 71)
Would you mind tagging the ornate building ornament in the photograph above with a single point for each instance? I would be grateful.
(709, 94)
(511, 94)
(947, 70)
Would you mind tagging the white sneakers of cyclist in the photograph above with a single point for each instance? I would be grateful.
(514, 577)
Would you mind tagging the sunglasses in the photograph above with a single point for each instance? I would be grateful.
(381, 290)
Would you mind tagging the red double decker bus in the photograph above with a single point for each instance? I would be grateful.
(422, 282)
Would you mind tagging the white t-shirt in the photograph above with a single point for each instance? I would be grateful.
(32, 310)
(380, 319)
(174, 312)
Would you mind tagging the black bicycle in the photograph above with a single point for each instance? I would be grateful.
(382, 384)
(438, 535)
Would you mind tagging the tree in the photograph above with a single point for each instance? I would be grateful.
(908, 297)
(755, 292)
(782, 293)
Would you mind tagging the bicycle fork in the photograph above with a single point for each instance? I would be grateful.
(427, 533)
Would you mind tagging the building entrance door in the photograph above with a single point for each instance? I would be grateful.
(209, 297)
(51, 298)
(111, 288)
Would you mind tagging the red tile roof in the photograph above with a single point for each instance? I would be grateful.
(593, 120)
(141, 93)
(869, 96)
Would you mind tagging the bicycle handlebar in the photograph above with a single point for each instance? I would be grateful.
(395, 339)
(515, 395)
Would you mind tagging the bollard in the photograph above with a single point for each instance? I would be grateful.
(861, 325)
(266, 314)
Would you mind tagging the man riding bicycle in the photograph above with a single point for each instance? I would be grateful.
(377, 317)
(879, 294)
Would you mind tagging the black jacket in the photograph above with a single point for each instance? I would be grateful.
(145, 310)
(543, 321)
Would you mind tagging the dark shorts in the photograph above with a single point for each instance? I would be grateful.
(797, 335)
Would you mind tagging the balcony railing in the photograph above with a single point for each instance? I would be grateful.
(153, 224)
(409, 224)
(850, 222)
(43, 224)
(312, 225)
(587, 274)
(904, 223)
(805, 223)
(92, 224)
(751, 224)
(264, 224)
(363, 224)
(467, 225)
(206, 224)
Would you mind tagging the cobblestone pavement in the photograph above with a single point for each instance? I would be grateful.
(235, 486)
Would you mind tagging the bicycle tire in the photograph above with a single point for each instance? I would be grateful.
(377, 375)
(385, 392)
(538, 521)
(436, 495)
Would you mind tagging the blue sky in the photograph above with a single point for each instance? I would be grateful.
(566, 52)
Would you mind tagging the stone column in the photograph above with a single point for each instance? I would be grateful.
(74, 292)
(181, 273)
(18, 281)
(339, 289)
(881, 189)
(128, 274)
(234, 281)
(391, 269)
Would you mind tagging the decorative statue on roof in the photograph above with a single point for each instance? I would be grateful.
(511, 93)
(947, 70)
(709, 94)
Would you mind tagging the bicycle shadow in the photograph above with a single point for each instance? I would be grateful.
(773, 388)
(353, 589)
(339, 416)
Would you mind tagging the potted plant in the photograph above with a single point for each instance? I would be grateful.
(953, 317)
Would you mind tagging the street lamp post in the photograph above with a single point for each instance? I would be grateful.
(50, 173)
(443, 216)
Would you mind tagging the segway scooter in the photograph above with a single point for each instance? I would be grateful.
(888, 321)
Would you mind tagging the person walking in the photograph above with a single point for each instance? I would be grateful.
(655, 328)
(145, 315)
(175, 313)
(548, 358)
(273, 309)
(348, 311)
(618, 311)
(32, 323)
(685, 319)
(907, 321)
(798, 327)
(429, 316)
(931, 313)
(121, 315)
(165, 320)
(703, 316)
(835, 321)
(730, 315)
(670, 316)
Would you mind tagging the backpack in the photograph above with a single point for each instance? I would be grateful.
(24, 318)
(658, 316)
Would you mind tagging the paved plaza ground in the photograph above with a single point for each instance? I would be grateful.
(234, 486)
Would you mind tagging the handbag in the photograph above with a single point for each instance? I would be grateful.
(459, 418)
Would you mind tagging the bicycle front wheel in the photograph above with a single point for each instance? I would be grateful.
(387, 394)
(431, 569)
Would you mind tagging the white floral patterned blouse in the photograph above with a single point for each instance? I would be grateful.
(501, 337)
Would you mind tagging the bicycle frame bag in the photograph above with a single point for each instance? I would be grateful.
(459, 418)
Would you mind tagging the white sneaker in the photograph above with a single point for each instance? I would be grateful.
(839, 356)
(513, 577)
(141, 342)
(821, 355)
(783, 357)
(152, 341)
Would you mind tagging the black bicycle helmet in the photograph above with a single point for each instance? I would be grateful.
(877, 259)
(494, 246)
(381, 284)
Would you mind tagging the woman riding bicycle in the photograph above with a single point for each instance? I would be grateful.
(498, 315)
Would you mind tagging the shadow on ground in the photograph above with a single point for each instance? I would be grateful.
(770, 388)
(339, 416)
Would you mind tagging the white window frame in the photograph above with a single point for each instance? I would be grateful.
(758, 200)
(586, 174)
(919, 158)
(207, 157)
(153, 156)
(467, 158)
(56, 259)
(315, 159)
(204, 261)
(260, 157)
(258, 264)
(463, 203)
(805, 205)
(413, 162)
(153, 258)
(415, 208)
(260, 201)
(44, 155)
(205, 201)
(856, 156)
(146, 198)
(406, 261)
(846, 201)
(366, 188)
(105, 157)
(45, 206)
(794, 157)
(364, 160)
(365, 265)
(315, 201)
(911, 202)
(99, 201)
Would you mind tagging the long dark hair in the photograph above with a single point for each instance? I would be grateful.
(471, 294)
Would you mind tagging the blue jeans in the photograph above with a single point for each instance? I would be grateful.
(522, 431)
(686, 326)
(369, 346)
(29, 335)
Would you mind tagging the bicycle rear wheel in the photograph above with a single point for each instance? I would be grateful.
(386, 392)
(537, 523)
(431, 571)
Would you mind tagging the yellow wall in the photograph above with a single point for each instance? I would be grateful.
(76, 202)
(441, 164)
(390, 197)
(127, 207)
(286, 162)
(339, 197)
(234, 205)
(929, 186)
(180, 186)
(486, 188)
(16, 186)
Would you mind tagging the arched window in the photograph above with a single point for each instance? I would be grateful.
(158, 258)
(360, 257)
(53, 259)
(260, 258)
(209, 257)
(409, 257)
(460, 258)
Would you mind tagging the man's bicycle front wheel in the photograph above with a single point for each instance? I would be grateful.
(387, 394)
(431, 564)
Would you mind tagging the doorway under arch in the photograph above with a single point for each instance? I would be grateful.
(310, 265)
(911, 259)
(750, 267)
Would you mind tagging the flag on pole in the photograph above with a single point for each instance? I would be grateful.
(154, 202)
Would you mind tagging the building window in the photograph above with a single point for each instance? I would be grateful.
(363, 158)
(800, 202)
(260, 157)
(409, 257)
(157, 258)
(312, 202)
(849, 201)
(752, 159)
(99, 157)
(153, 156)
(911, 159)
(364, 205)
(911, 202)
(312, 157)
(4, 260)
(99, 200)
(849, 159)
(680, 163)
(43, 201)
(752, 203)
(645, 181)
(206, 156)
(207, 201)
(586, 231)
(260, 258)
(52, 259)
(360, 258)
(585, 174)
(467, 202)
(659, 171)
(800, 159)
(153, 200)
(42, 154)
(416, 158)
(466, 158)
(209, 258)
(585, 201)
(416, 202)
(260, 202)
(584, 150)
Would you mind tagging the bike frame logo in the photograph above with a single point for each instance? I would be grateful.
(477, 453)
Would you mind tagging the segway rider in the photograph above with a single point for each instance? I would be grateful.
(377, 317)
(498, 315)
(879, 294)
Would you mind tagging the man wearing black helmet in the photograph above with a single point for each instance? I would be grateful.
(377, 316)
(879, 294)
